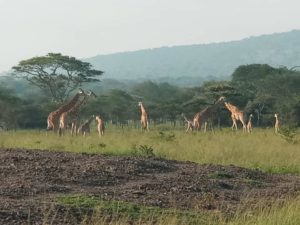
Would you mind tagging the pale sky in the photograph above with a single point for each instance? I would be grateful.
(85, 28)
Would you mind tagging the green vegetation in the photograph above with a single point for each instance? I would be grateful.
(116, 212)
(257, 89)
(55, 74)
(262, 149)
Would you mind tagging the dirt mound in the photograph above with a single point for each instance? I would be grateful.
(31, 179)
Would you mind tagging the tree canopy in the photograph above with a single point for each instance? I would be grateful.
(55, 74)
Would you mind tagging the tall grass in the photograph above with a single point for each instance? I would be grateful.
(262, 149)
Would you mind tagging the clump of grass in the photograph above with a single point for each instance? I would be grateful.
(280, 212)
(289, 134)
(143, 150)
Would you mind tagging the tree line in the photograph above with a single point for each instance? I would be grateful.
(258, 89)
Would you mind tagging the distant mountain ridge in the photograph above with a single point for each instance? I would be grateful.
(185, 65)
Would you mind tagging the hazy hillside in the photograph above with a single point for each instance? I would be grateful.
(189, 65)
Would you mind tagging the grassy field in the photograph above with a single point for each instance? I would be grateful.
(262, 149)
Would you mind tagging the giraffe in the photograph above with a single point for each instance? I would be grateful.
(249, 124)
(190, 125)
(144, 117)
(72, 114)
(276, 125)
(206, 115)
(236, 115)
(100, 126)
(53, 117)
(84, 128)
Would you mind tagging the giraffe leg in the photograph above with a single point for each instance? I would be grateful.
(72, 128)
(234, 125)
(211, 127)
(244, 126)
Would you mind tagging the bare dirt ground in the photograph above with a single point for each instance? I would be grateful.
(31, 179)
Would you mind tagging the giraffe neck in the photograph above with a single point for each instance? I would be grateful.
(76, 108)
(70, 104)
(230, 107)
(143, 109)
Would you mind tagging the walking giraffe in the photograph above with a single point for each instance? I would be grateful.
(85, 127)
(190, 125)
(144, 117)
(276, 125)
(249, 124)
(53, 117)
(72, 115)
(236, 115)
(206, 115)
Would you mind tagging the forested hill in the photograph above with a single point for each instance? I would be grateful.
(185, 65)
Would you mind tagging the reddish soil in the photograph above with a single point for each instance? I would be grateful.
(31, 179)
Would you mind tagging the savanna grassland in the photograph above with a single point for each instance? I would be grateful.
(262, 151)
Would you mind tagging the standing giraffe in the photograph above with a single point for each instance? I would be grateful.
(249, 124)
(85, 127)
(276, 126)
(100, 126)
(53, 117)
(144, 117)
(206, 115)
(236, 115)
(72, 115)
(190, 125)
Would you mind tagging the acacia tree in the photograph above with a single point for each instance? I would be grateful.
(56, 74)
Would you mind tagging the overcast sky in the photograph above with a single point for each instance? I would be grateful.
(85, 28)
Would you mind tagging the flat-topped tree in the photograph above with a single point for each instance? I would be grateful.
(56, 74)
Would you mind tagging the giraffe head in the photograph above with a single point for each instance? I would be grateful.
(276, 115)
(222, 99)
(140, 104)
(81, 92)
(251, 115)
(90, 93)
(98, 118)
